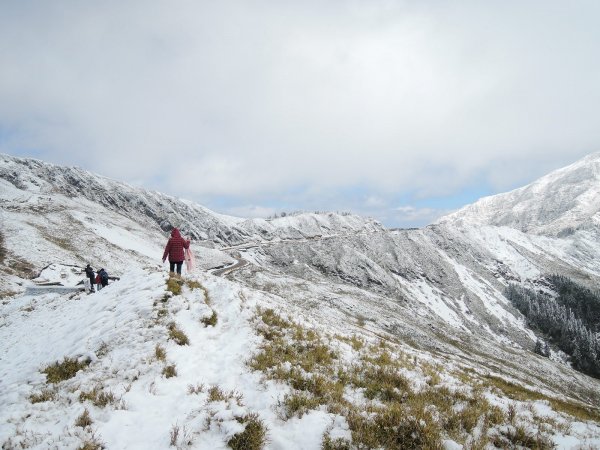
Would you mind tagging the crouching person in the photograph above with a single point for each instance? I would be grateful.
(102, 279)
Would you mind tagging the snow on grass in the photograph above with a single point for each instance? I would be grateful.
(121, 336)
(117, 330)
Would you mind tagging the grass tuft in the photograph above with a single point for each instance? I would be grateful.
(519, 437)
(254, 436)
(335, 444)
(97, 396)
(170, 371)
(298, 404)
(160, 353)
(92, 444)
(174, 285)
(45, 395)
(193, 284)
(215, 394)
(60, 371)
(84, 420)
(212, 320)
(177, 335)
(197, 389)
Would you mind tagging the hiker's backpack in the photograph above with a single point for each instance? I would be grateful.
(104, 277)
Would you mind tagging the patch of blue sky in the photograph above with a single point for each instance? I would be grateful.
(453, 200)
(358, 199)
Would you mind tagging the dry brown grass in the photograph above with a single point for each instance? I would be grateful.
(254, 436)
(521, 393)
(98, 396)
(174, 285)
(210, 321)
(45, 395)
(60, 371)
(169, 371)
(177, 334)
(84, 420)
(397, 412)
(160, 353)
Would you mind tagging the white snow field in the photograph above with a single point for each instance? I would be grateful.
(118, 329)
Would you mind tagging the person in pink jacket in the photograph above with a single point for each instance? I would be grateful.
(175, 250)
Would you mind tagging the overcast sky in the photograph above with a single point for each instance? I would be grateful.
(401, 110)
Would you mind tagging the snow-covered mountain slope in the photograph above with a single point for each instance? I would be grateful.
(140, 386)
(557, 204)
(29, 180)
(59, 214)
(435, 293)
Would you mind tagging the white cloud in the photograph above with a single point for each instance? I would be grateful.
(414, 215)
(246, 100)
(251, 211)
(374, 201)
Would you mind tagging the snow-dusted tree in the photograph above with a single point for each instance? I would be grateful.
(564, 325)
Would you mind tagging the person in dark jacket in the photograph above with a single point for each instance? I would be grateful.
(89, 272)
(175, 250)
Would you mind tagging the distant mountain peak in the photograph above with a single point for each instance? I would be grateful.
(556, 204)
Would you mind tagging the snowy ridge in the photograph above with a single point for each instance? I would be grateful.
(557, 204)
(32, 178)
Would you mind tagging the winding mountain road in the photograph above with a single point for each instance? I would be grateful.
(240, 262)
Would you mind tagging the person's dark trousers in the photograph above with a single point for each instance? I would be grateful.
(92, 282)
(172, 266)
